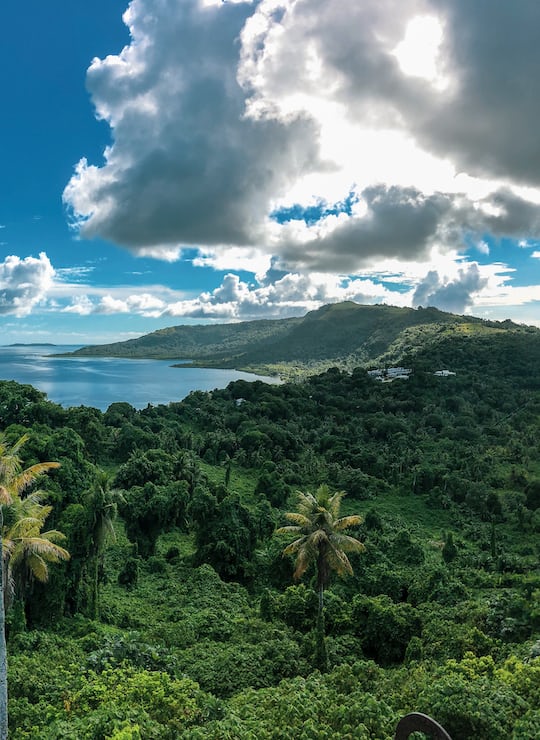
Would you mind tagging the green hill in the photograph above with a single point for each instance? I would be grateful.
(343, 334)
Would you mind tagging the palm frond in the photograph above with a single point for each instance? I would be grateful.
(345, 522)
(36, 497)
(28, 476)
(24, 527)
(5, 497)
(346, 543)
(46, 549)
(318, 537)
(26, 550)
(7, 548)
(334, 503)
(16, 446)
(339, 562)
(38, 567)
(293, 547)
(290, 529)
(53, 535)
(306, 503)
(301, 519)
(304, 559)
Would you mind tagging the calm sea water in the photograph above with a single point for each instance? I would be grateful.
(100, 381)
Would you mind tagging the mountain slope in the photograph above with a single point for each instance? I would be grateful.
(194, 342)
(344, 334)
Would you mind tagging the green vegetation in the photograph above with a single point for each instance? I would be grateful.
(187, 623)
(24, 549)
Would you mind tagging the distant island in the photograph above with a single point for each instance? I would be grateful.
(343, 335)
(31, 344)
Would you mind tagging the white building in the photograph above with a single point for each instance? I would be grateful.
(387, 375)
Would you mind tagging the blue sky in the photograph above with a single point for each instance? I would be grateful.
(179, 161)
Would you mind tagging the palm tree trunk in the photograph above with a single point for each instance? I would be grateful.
(95, 589)
(321, 654)
(321, 581)
(3, 650)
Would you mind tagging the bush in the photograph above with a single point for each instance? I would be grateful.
(129, 574)
(384, 628)
(472, 709)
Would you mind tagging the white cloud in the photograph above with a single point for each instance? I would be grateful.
(442, 278)
(235, 299)
(482, 247)
(77, 273)
(418, 117)
(81, 305)
(109, 305)
(486, 53)
(223, 112)
(24, 283)
(142, 304)
(186, 167)
(234, 258)
(455, 295)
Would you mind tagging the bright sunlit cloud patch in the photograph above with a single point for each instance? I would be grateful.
(418, 52)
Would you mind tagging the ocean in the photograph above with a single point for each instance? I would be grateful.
(100, 381)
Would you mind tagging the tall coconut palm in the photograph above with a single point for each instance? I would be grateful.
(5, 500)
(22, 544)
(102, 503)
(321, 539)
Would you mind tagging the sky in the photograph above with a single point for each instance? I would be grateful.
(170, 162)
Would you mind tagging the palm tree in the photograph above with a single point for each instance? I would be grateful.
(321, 539)
(4, 501)
(28, 550)
(23, 547)
(102, 503)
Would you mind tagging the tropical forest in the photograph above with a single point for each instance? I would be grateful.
(313, 559)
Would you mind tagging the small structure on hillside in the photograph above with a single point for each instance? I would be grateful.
(443, 373)
(389, 374)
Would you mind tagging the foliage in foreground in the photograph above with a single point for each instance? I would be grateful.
(188, 624)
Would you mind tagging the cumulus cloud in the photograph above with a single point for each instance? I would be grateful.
(451, 134)
(81, 305)
(229, 121)
(144, 304)
(24, 283)
(487, 123)
(396, 222)
(478, 105)
(186, 166)
(455, 285)
(235, 299)
(455, 295)
(220, 111)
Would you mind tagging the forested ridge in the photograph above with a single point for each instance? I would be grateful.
(177, 616)
(344, 335)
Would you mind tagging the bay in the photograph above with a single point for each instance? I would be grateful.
(100, 381)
